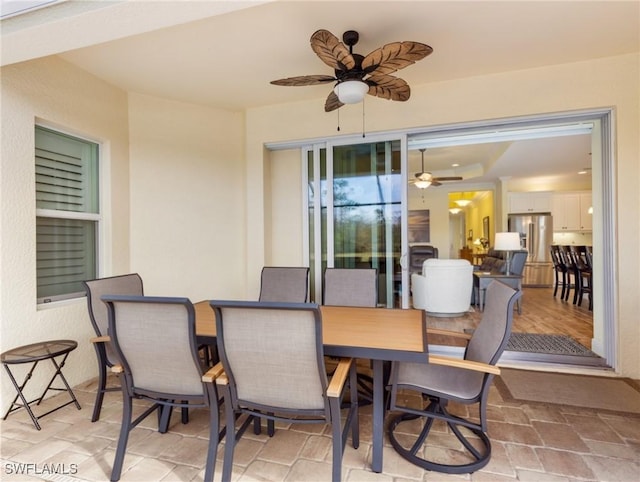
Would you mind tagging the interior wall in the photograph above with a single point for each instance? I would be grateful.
(63, 97)
(582, 85)
(187, 199)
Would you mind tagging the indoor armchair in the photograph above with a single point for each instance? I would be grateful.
(444, 288)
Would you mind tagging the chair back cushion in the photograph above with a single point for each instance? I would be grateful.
(128, 284)
(156, 342)
(284, 284)
(418, 253)
(518, 260)
(492, 334)
(351, 287)
(272, 354)
(435, 265)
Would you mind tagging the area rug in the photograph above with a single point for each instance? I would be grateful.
(601, 393)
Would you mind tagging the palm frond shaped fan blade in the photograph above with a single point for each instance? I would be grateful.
(331, 51)
(304, 80)
(332, 102)
(394, 56)
(388, 87)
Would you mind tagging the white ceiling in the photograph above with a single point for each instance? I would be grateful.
(224, 54)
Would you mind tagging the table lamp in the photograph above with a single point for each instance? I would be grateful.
(507, 242)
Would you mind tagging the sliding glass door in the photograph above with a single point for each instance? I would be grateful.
(356, 200)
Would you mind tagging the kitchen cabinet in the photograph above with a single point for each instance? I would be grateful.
(571, 211)
(530, 202)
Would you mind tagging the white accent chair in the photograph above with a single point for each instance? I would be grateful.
(444, 288)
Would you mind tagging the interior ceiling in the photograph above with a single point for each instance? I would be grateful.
(224, 54)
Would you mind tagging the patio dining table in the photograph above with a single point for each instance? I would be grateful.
(377, 334)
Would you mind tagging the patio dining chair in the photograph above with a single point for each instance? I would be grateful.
(353, 287)
(154, 339)
(447, 379)
(128, 284)
(273, 361)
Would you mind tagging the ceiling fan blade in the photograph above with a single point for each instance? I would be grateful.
(332, 102)
(331, 51)
(388, 87)
(436, 183)
(304, 80)
(449, 178)
(394, 56)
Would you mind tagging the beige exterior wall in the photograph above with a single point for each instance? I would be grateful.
(607, 82)
(58, 94)
(187, 199)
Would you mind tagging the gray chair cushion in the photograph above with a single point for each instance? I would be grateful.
(284, 284)
(351, 287)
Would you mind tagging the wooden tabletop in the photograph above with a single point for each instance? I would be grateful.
(366, 329)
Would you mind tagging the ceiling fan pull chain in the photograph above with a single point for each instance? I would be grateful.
(362, 117)
(338, 120)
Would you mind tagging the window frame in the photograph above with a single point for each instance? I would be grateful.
(96, 218)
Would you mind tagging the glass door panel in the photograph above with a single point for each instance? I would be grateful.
(358, 223)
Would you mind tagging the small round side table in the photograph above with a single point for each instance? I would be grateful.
(35, 353)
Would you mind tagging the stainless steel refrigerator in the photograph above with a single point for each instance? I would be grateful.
(536, 236)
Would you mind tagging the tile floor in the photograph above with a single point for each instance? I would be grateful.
(531, 442)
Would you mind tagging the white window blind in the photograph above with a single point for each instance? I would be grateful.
(67, 214)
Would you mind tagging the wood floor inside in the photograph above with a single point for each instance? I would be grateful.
(541, 313)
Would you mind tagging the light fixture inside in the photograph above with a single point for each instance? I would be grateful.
(455, 210)
(463, 202)
(422, 183)
(351, 91)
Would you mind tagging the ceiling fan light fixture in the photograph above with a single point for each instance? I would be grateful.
(351, 91)
(422, 184)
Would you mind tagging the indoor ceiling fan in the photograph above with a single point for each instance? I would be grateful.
(424, 179)
(356, 75)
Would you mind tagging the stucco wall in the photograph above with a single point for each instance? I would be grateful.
(607, 82)
(54, 92)
(187, 199)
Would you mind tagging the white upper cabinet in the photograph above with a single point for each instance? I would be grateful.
(530, 202)
(571, 211)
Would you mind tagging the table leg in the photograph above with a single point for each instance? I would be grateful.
(64, 380)
(378, 416)
(25, 403)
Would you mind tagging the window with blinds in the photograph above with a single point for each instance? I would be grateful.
(67, 214)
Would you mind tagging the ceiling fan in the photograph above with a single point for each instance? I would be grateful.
(425, 179)
(356, 75)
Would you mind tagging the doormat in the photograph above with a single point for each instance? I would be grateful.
(562, 349)
(550, 344)
(599, 393)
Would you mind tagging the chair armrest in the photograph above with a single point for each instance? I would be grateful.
(117, 369)
(100, 339)
(222, 379)
(339, 377)
(213, 373)
(466, 364)
(455, 334)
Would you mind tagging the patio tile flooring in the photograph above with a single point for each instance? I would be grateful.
(531, 442)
